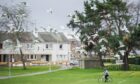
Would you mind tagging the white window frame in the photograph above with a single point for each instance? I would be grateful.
(49, 46)
(29, 57)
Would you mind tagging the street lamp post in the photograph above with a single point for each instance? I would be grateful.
(50, 69)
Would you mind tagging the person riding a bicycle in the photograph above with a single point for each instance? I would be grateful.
(106, 75)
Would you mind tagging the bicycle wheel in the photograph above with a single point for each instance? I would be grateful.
(109, 79)
(101, 79)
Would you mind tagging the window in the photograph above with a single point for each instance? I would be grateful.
(0, 59)
(35, 56)
(28, 57)
(48, 46)
(61, 46)
(31, 56)
(29, 46)
(0, 45)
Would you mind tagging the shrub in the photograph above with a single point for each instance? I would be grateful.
(109, 60)
(135, 60)
(132, 67)
(114, 67)
(131, 60)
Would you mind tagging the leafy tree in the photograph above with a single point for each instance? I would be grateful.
(88, 24)
(108, 26)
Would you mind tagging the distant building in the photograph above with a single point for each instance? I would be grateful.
(74, 45)
(37, 47)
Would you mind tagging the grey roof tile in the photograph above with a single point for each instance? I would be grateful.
(28, 37)
(53, 37)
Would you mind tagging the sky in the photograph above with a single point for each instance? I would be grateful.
(58, 19)
(60, 10)
(41, 18)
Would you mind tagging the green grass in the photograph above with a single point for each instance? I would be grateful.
(77, 76)
(19, 70)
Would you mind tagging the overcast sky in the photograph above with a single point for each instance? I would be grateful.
(60, 9)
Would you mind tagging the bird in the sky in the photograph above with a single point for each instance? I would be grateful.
(50, 11)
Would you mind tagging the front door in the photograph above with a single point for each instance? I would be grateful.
(0, 59)
(45, 57)
(5, 58)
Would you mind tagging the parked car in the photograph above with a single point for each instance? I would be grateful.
(74, 62)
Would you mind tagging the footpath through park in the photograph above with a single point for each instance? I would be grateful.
(36, 73)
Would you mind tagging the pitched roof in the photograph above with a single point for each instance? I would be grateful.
(28, 37)
(53, 37)
(24, 37)
(5, 36)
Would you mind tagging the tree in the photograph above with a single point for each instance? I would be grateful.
(108, 26)
(122, 24)
(117, 21)
(13, 21)
(88, 24)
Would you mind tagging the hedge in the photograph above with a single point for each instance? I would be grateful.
(109, 61)
(132, 67)
(135, 60)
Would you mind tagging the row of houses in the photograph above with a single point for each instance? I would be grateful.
(37, 47)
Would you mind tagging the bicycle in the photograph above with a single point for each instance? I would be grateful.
(102, 79)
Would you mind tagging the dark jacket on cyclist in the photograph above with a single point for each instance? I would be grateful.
(106, 74)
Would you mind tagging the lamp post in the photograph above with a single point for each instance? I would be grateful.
(9, 67)
(50, 69)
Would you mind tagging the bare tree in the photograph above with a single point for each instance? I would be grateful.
(13, 20)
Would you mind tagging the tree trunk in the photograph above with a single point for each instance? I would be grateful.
(22, 59)
(101, 60)
(125, 61)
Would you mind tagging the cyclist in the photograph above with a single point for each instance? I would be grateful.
(106, 75)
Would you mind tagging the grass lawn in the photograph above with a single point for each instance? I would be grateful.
(19, 70)
(77, 76)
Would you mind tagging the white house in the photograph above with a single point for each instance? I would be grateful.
(37, 47)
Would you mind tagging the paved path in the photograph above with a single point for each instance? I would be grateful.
(36, 73)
